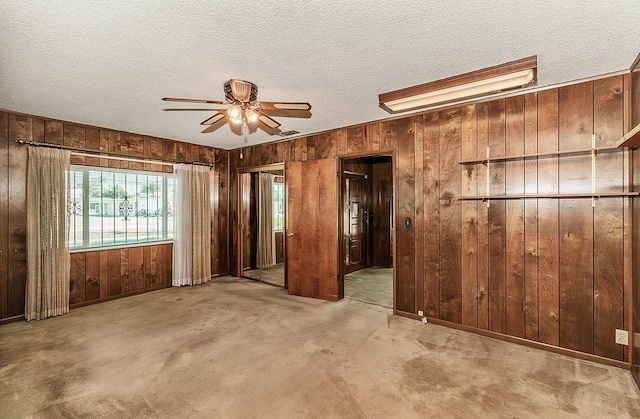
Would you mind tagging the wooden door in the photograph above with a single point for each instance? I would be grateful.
(312, 235)
(355, 216)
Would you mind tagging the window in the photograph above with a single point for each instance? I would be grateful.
(110, 207)
(278, 206)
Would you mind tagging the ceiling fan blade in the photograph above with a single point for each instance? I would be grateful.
(215, 118)
(265, 119)
(281, 106)
(178, 99)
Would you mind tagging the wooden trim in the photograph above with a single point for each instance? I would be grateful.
(11, 319)
(526, 63)
(529, 343)
(631, 138)
(636, 64)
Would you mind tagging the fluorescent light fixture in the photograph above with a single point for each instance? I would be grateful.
(507, 76)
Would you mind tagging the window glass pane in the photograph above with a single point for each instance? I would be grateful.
(122, 206)
(278, 206)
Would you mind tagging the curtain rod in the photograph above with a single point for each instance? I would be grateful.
(109, 155)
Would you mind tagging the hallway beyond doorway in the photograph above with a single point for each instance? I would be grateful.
(370, 285)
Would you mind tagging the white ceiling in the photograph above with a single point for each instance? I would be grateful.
(108, 63)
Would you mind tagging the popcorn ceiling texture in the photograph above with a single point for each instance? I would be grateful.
(108, 63)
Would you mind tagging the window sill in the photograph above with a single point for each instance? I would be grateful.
(118, 246)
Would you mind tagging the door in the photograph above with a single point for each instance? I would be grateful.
(355, 216)
(312, 234)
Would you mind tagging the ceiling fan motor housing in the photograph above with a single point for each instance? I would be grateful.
(241, 92)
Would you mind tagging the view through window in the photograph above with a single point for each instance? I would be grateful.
(278, 206)
(116, 206)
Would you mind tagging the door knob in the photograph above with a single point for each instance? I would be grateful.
(289, 234)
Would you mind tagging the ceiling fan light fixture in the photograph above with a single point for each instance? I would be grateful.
(235, 112)
(251, 115)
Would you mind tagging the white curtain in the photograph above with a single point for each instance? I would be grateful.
(48, 259)
(192, 225)
(181, 227)
(266, 237)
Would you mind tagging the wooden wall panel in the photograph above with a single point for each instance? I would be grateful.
(450, 215)
(483, 220)
(115, 283)
(576, 219)
(77, 278)
(20, 128)
(497, 214)
(136, 269)
(405, 237)
(608, 220)
(104, 273)
(469, 151)
(381, 224)
(549, 280)
(124, 271)
(74, 136)
(431, 195)
(531, 266)
(4, 213)
(515, 219)
(92, 275)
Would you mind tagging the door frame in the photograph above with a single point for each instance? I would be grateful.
(394, 203)
(240, 222)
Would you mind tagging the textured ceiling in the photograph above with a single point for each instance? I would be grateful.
(108, 63)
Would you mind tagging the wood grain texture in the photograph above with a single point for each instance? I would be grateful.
(419, 211)
(549, 281)
(311, 263)
(483, 220)
(405, 237)
(497, 224)
(381, 224)
(20, 127)
(74, 136)
(104, 273)
(450, 215)
(576, 220)
(136, 269)
(115, 284)
(469, 150)
(431, 195)
(608, 218)
(167, 264)
(92, 142)
(515, 219)
(53, 132)
(4, 213)
(92, 276)
(124, 271)
(531, 266)
(77, 278)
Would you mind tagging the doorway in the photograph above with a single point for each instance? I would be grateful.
(261, 224)
(366, 229)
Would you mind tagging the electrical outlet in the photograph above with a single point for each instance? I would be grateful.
(622, 337)
(420, 313)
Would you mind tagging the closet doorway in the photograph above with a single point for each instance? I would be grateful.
(366, 208)
(261, 224)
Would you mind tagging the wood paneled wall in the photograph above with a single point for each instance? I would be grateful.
(95, 275)
(546, 270)
(634, 339)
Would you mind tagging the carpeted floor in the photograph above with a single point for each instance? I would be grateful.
(240, 348)
(370, 285)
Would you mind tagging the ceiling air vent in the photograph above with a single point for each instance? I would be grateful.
(288, 133)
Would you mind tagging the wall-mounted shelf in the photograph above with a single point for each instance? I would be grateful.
(567, 153)
(631, 138)
(552, 196)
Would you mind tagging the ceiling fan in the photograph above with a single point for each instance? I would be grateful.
(245, 108)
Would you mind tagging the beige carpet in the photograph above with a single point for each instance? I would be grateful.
(236, 348)
(370, 285)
